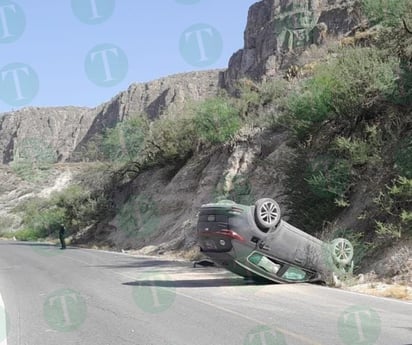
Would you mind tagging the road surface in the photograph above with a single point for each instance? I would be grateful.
(89, 297)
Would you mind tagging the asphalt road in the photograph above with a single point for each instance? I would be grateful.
(87, 297)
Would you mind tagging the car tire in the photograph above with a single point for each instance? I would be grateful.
(267, 213)
(342, 251)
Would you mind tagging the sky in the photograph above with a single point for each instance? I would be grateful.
(84, 52)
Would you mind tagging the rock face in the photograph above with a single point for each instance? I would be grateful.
(165, 95)
(60, 131)
(159, 208)
(277, 30)
(56, 131)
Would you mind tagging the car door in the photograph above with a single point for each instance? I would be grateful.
(293, 245)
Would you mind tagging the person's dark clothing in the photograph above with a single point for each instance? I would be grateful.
(62, 231)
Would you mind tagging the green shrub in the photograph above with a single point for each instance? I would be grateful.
(403, 158)
(253, 95)
(329, 178)
(74, 206)
(216, 121)
(40, 217)
(341, 89)
(402, 189)
(406, 217)
(358, 151)
(124, 142)
(29, 235)
(316, 101)
(311, 205)
(387, 12)
(92, 151)
(361, 151)
(83, 207)
(32, 159)
(395, 205)
(388, 231)
(169, 139)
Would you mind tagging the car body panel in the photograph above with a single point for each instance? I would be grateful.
(229, 235)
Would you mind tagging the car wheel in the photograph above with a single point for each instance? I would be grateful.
(342, 251)
(267, 213)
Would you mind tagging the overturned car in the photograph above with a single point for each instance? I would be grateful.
(254, 242)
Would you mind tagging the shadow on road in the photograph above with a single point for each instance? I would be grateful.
(196, 283)
(140, 263)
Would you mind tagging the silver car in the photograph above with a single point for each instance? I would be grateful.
(254, 242)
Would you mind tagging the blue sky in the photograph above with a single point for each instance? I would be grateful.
(83, 52)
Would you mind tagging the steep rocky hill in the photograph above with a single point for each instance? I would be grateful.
(155, 208)
(63, 130)
(278, 31)
(59, 129)
(165, 95)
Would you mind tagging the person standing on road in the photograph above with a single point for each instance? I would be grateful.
(62, 231)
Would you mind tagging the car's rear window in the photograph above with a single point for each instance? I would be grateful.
(294, 273)
(220, 218)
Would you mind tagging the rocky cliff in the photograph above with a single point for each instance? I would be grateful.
(158, 209)
(278, 30)
(165, 95)
(56, 130)
(60, 131)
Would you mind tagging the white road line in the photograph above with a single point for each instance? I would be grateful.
(3, 327)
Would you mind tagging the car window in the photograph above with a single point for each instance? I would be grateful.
(264, 263)
(213, 218)
(294, 273)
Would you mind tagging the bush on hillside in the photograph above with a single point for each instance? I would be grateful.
(216, 121)
(329, 178)
(403, 158)
(340, 90)
(388, 12)
(124, 142)
(168, 140)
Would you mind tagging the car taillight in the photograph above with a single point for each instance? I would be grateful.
(231, 234)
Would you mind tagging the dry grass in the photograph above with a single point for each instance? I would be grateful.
(402, 292)
(192, 254)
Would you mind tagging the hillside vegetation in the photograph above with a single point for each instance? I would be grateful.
(346, 108)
